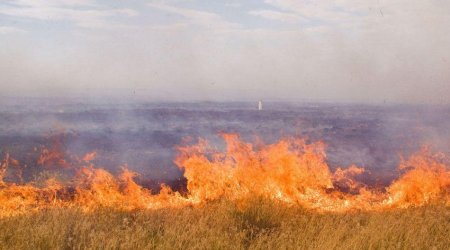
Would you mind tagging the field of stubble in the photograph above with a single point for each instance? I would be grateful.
(259, 224)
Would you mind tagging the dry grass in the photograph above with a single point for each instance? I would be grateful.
(222, 225)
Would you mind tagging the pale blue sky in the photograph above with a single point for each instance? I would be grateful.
(344, 50)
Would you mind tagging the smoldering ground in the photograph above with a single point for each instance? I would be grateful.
(144, 136)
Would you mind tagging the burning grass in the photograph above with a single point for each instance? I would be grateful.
(257, 224)
(281, 195)
(290, 171)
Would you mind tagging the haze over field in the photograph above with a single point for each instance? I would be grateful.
(352, 51)
(189, 124)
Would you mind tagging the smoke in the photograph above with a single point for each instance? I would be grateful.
(292, 170)
(144, 135)
(396, 52)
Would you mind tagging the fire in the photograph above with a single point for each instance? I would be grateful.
(54, 157)
(427, 179)
(291, 170)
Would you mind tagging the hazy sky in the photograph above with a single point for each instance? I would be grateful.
(343, 50)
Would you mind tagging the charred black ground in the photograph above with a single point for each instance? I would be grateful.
(144, 136)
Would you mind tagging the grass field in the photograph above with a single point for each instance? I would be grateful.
(258, 224)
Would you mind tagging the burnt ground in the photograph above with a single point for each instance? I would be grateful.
(144, 136)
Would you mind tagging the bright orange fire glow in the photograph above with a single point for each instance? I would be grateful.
(291, 171)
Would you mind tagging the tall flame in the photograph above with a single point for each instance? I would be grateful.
(291, 171)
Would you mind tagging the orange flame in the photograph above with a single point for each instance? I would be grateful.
(291, 171)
